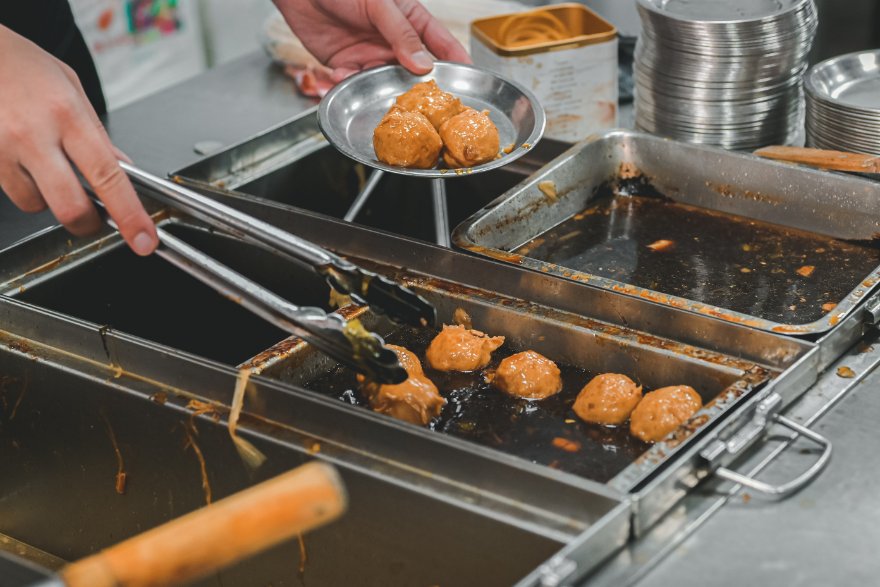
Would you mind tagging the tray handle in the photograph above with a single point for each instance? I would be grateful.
(795, 485)
(766, 414)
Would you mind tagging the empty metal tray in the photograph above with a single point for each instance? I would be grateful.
(736, 237)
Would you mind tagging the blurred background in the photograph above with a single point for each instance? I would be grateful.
(142, 46)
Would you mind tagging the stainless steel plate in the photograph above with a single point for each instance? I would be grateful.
(843, 103)
(851, 81)
(350, 112)
(722, 10)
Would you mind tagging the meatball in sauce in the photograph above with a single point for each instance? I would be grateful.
(470, 138)
(416, 400)
(608, 399)
(406, 139)
(528, 375)
(428, 99)
(662, 411)
(457, 348)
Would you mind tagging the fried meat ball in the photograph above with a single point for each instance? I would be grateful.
(609, 398)
(662, 411)
(406, 139)
(528, 375)
(470, 138)
(428, 99)
(416, 400)
(457, 348)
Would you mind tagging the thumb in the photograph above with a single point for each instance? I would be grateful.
(408, 48)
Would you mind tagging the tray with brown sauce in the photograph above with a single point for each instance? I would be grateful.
(732, 236)
(545, 431)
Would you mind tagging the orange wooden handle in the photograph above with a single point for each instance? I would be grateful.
(835, 160)
(218, 535)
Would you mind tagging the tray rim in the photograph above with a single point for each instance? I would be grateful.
(463, 238)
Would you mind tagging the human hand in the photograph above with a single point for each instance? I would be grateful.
(351, 35)
(47, 125)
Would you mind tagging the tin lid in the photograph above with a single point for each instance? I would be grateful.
(550, 28)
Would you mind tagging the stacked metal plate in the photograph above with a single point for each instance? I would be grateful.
(723, 72)
(843, 103)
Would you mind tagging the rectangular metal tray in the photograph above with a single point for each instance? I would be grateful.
(479, 415)
(721, 264)
(64, 405)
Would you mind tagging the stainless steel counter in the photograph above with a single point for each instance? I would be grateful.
(821, 536)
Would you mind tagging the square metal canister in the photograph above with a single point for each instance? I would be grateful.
(566, 54)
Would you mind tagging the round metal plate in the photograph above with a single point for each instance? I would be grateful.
(851, 80)
(723, 10)
(350, 112)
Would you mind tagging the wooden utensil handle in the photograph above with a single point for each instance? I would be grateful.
(835, 160)
(217, 535)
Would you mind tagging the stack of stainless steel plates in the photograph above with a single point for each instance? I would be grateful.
(843, 103)
(723, 72)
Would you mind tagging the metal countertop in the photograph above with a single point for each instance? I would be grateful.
(824, 535)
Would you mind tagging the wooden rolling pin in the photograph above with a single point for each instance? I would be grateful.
(833, 160)
(217, 535)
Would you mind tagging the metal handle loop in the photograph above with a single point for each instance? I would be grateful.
(794, 485)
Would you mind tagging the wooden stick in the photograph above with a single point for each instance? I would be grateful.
(835, 160)
(217, 535)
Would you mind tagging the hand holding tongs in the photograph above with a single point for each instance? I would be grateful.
(347, 342)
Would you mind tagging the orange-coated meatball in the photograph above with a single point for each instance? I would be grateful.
(457, 348)
(428, 99)
(528, 375)
(416, 400)
(662, 411)
(470, 139)
(609, 398)
(406, 139)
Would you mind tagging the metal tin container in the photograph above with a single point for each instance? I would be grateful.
(573, 74)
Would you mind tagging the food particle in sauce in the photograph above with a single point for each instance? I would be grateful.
(662, 411)
(566, 444)
(662, 245)
(806, 270)
(457, 348)
(828, 306)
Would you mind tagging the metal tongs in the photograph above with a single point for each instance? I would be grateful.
(347, 342)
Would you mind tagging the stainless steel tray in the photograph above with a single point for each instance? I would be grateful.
(65, 409)
(582, 347)
(797, 201)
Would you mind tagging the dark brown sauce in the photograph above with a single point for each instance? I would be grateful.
(479, 413)
(718, 259)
